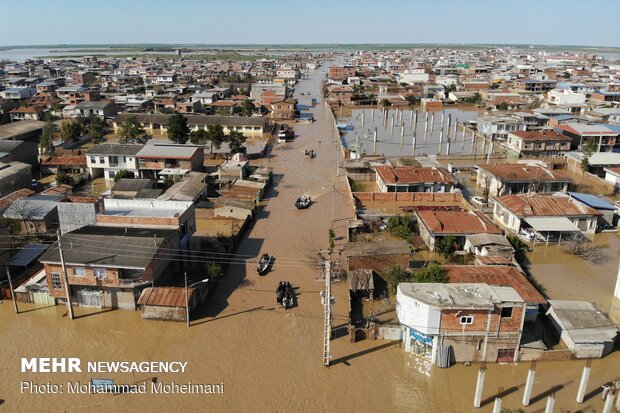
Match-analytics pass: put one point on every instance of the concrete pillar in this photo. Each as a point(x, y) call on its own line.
point(529, 384)
point(402, 134)
point(583, 384)
point(372, 115)
point(363, 119)
point(618, 400)
point(550, 404)
point(479, 387)
point(413, 147)
point(443, 117)
point(425, 126)
point(432, 121)
point(497, 407)
point(617, 290)
point(440, 136)
point(374, 146)
point(456, 122)
point(609, 402)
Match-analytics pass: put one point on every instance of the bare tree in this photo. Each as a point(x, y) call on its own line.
point(581, 246)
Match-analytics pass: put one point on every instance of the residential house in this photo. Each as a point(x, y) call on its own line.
point(31, 112)
point(340, 72)
point(501, 276)
point(489, 245)
point(108, 159)
point(414, 179)
point(36, 214)
point(283, 109)
point(535, 85)
point(537, 143)
point(435, 224)
point(108, 266)
point(565, 97)
point(548, 215)
point(501, 179)
point(102, 109)
point(13, 176)
point(464, 322)
point(235, 168)
point(585, 330)
point(606, 139)
point(166, 159)
point(498, 127)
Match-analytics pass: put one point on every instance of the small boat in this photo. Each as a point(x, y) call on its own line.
point(263, 264)
point(285, 295)
point(310, 153)
point(303, 202)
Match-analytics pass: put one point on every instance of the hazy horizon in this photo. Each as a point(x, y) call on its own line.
point(321, 22)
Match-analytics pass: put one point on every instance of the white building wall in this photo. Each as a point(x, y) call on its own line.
point(416, 314)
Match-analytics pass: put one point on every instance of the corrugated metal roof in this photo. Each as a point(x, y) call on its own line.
point(456, 222)
point(592, 201)
point(545, 224)
point(158, 151)
point(534, 204)
point(28, 254)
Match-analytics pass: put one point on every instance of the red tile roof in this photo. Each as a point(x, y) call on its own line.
point(457, 222)
point(546, 205)
point(164, 296)
point(527, 173)
point(497, 275)
point(7, 200)
point(541, 136)
point(414, 175)
point(69, 160)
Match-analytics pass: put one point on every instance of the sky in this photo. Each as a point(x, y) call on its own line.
point(558, 22)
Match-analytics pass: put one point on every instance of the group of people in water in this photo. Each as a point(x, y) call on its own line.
point(285, 294)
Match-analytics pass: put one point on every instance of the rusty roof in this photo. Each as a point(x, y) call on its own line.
point(497, 275)
point(414, 175)
point(456, 222)
point(546, 205)
point(74, 160)
point(524, 173)
point(540, 136)
point(7, 200)
point(164, 296)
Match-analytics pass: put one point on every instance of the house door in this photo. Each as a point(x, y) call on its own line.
point(42, 297)
point(506, 355)
point(89, 298)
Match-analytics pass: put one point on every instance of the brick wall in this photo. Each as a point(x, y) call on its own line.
point(110, 280)
point(414, 197)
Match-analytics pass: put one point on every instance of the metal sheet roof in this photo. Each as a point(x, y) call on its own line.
point(552, 224)
point(592, 201)
point(27, 255)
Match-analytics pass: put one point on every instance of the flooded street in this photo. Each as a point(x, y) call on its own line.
point(269, 358)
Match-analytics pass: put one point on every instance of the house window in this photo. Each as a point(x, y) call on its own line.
point(467, 319)
point(93, 159)
point(79, 271)
point(506, 312)
point(56, 284)
point(99, 273)
point(101, 159)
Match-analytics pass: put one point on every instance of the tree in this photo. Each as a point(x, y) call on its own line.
point(47, 138)
point(401, 226)
point(74, 180)
point(198, 137)
point(132, 131)
point(213, 272)
point(588, 150)
point(235, 141)
point(385, 102)
point(70, 131)
point(247, 108)
point(215, 135)
point(412, 100)
point(581, 246)
point(332, 237)
point(433, 273)
point(97, 128)
point(178, 131)
point(502, 106)
point(124, 173)
point(446, 246)
point(395, 275)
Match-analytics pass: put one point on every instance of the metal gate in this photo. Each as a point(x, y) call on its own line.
point(42, 297)
point(89, 298)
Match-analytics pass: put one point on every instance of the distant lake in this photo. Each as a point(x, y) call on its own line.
point(21, 55)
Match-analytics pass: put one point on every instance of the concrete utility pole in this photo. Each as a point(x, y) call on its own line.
point(432, 121)
point(327, 322)
point(550, 403)
point(8, 274)
point(402, 134)
point(186, 300)
point(479, 385)
point(425, 125)
point(448, 140)
point(583, 384)
point(529, 384)
point(64, 276)
point(374, 147)
point(609, 402)
point(497, 406)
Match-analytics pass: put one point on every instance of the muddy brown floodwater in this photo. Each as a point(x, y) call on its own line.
point(268, 358)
